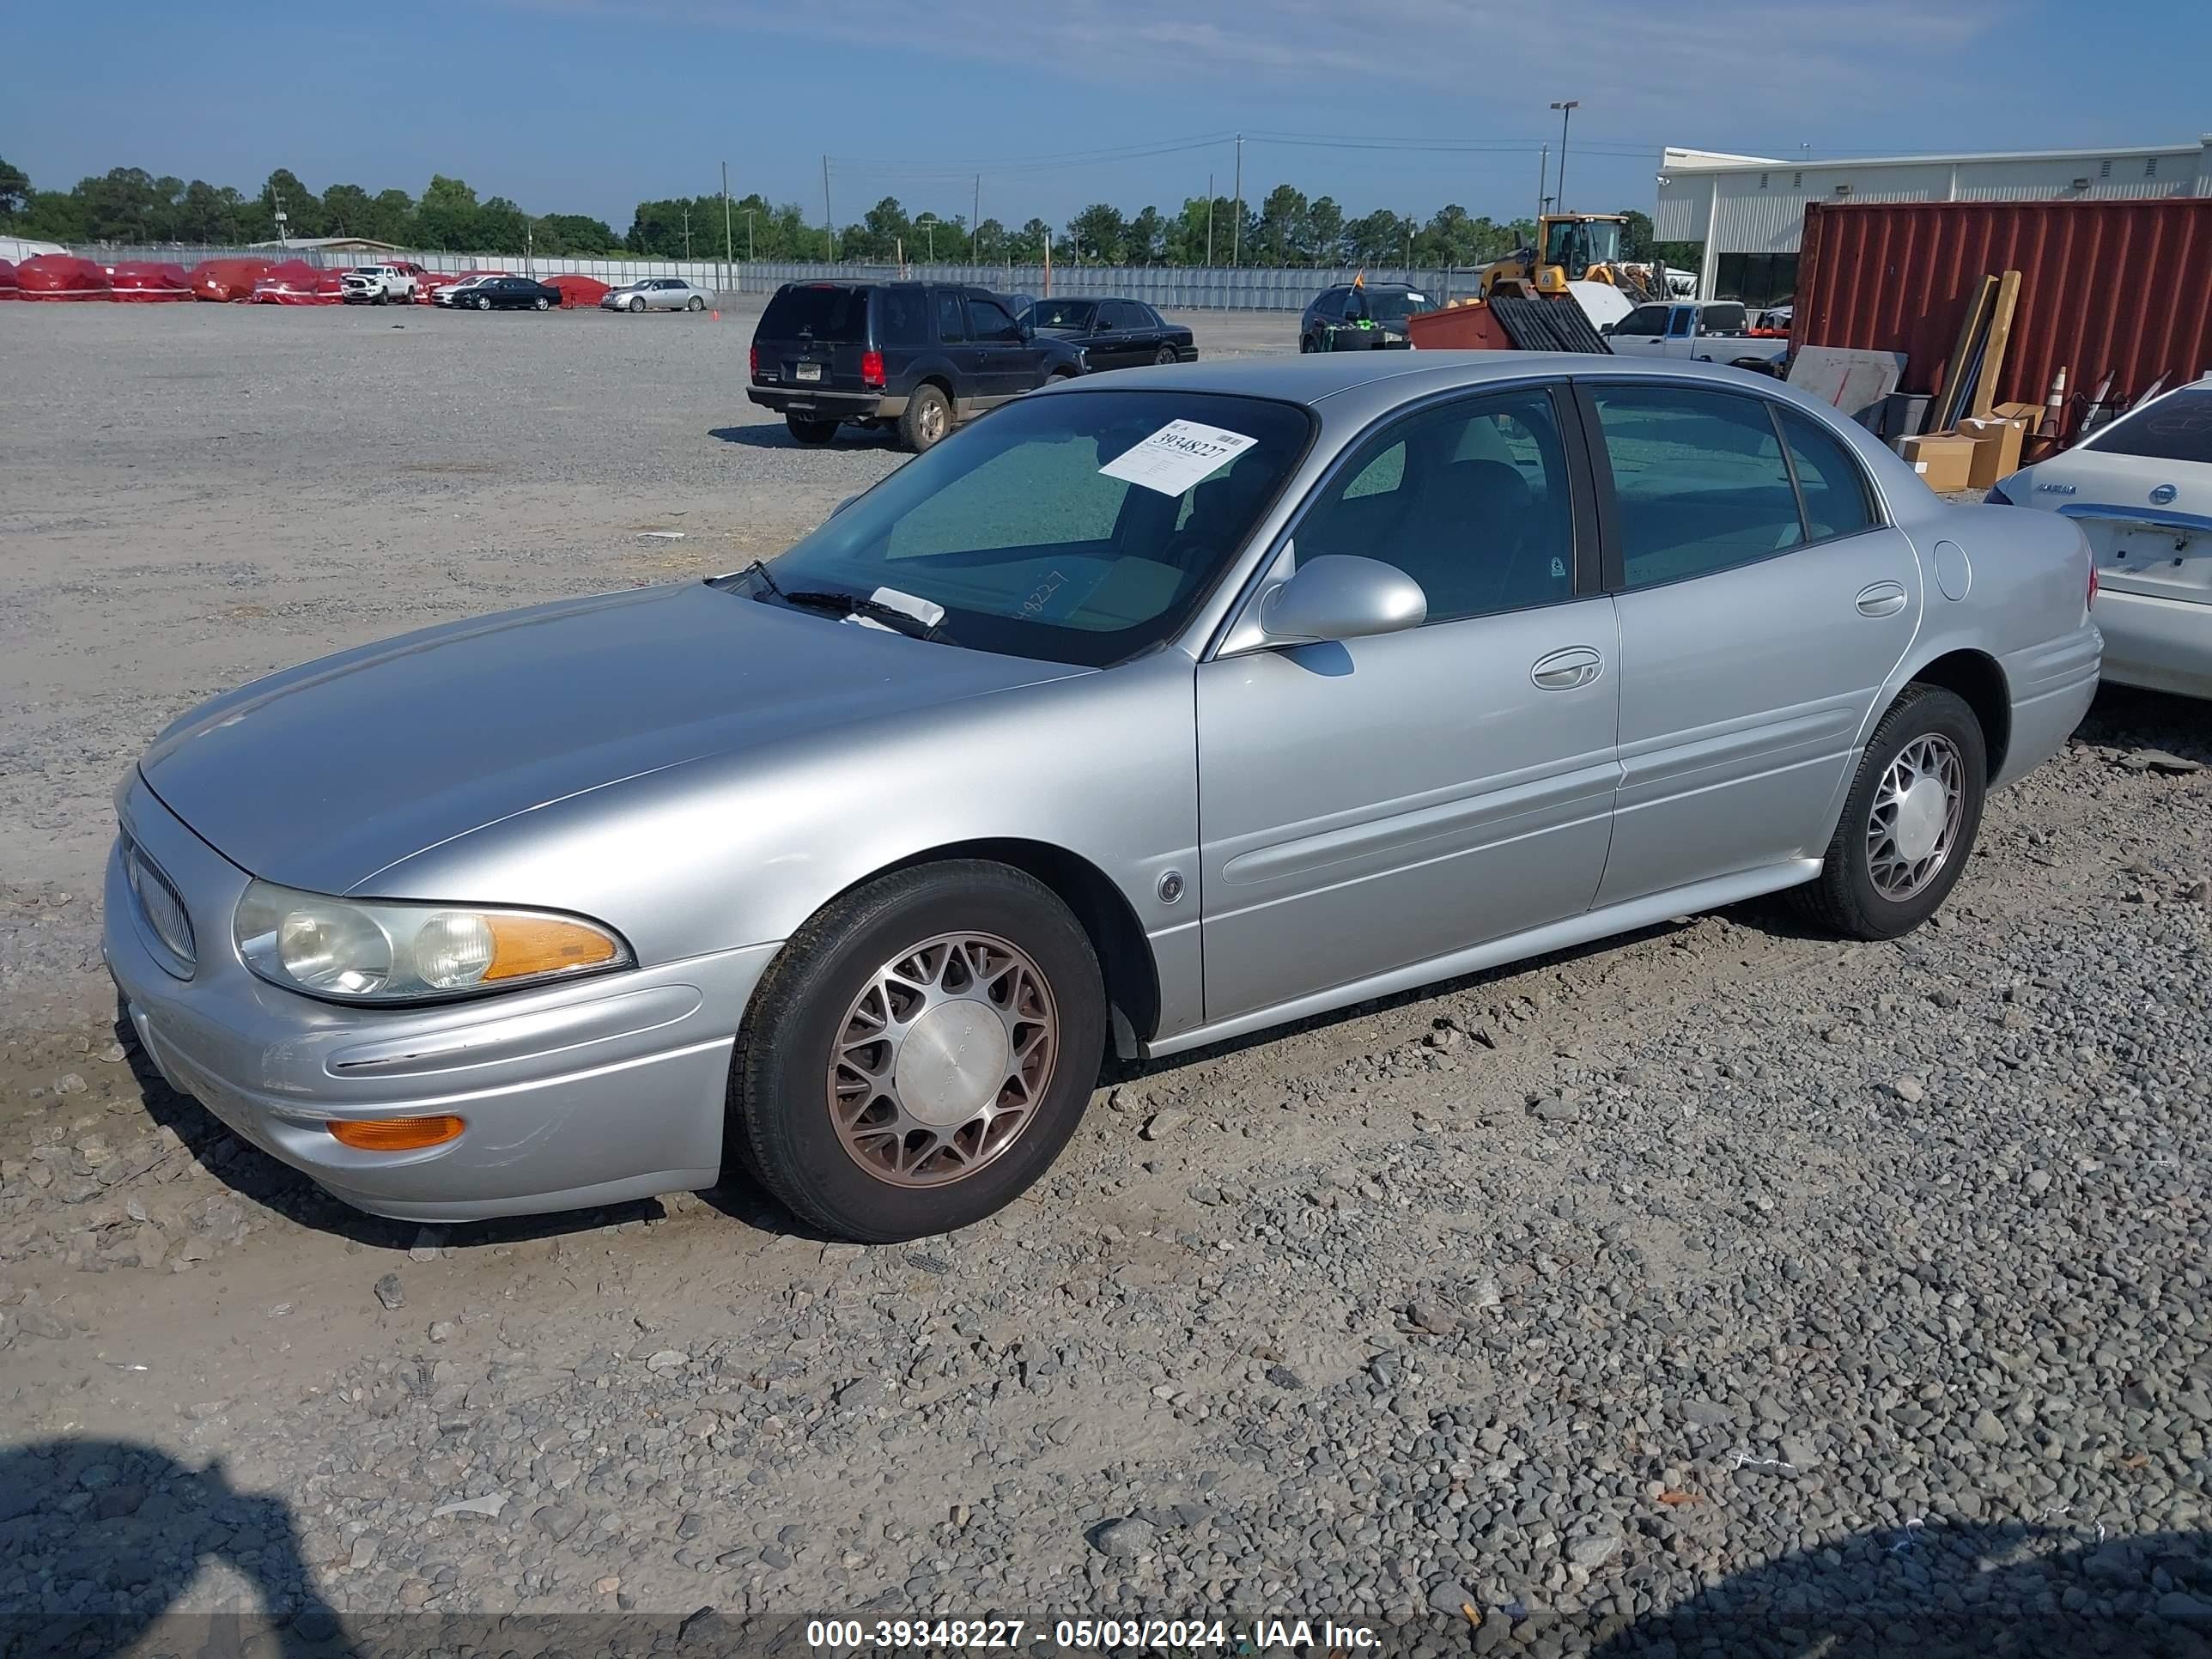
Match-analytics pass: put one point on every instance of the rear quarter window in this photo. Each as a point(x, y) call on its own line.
point(902, 317)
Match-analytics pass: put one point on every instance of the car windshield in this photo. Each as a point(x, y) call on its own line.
point(2176, 427)
point(1082, 528)
point(1394, 306)
point(829, 312)
point(1062, 314)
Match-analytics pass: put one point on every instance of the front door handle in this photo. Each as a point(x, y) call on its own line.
point(1563, 670)
point(1881, 599)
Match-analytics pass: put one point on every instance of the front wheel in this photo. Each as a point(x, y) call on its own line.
point(920, 1052)
point(1909, 824)
point(810, 432)
point(637, 306)
point(484, 304)
point(698, 304)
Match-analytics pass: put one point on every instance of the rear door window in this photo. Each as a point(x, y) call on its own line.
point(1698, 479)
point(827, 312)
point(952, 318)
point(1833, 488)
point(2177, 428)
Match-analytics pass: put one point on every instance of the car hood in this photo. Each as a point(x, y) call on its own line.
point(323, 775)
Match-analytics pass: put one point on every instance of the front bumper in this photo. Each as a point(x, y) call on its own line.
point(588, 1093)
point(810, 404)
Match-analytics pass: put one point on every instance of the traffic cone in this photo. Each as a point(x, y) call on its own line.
point(716, 315)
point(2046, 442)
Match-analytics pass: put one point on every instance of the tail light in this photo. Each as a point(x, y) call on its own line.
point(2091, 605)
point(1996, 497)
point(752, 361)
point(872, 370)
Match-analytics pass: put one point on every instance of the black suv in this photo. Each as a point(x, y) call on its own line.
point(1376, 321)
point(916, 355)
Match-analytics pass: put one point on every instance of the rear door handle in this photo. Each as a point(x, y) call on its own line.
point(1881, 599)
point(1563, 670)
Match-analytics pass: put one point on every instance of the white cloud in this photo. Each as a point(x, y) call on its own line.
point(1683, 66)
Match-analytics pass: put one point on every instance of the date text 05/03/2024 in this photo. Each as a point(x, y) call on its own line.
point(1257, 1636)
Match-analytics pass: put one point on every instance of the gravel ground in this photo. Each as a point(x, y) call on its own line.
point(1722, 1289)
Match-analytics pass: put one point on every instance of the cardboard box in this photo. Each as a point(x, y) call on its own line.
point(1944, 460)
point(2030, 413)
point(1996, 450)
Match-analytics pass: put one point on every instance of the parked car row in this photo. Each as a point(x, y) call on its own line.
point(918, 358)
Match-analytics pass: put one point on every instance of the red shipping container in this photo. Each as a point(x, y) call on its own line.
point(62, 276)
point(2117, 286)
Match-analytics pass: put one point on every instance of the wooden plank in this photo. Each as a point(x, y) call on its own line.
point(1943, 414)
point(1985, 388)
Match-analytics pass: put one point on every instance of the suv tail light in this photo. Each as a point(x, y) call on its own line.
point(752, 362)
point(872, 370)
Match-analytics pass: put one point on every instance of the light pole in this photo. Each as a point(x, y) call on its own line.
point(1565, 110)
point(749, 235)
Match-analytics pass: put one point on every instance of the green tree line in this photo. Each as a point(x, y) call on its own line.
point(1285, 227)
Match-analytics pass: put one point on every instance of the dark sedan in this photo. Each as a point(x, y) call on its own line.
point(1113, 333)
point(511, 293)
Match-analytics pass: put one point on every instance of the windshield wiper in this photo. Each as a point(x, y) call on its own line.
point(853, 605)
point(759, 567)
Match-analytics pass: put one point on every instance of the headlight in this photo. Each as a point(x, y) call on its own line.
point(370, 951)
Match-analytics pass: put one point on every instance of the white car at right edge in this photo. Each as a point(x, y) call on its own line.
point(2140, 489)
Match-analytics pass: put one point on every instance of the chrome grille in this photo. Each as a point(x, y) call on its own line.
point(159, 902)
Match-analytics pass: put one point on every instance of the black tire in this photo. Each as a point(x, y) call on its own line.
point(541, 302)
point(1167, 354)
point(483, 303)
point(637, 307)
point(810, 432)
point(698, 304)
point(780, 1121)
point(1843, 898)
point(927, 418)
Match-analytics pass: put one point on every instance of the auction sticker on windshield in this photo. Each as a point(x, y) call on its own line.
point(1177, 456)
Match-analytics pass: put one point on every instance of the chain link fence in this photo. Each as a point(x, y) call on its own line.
point(1170, 288)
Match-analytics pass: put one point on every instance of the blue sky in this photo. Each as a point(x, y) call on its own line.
point(591, 105)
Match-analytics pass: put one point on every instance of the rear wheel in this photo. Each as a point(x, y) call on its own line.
point(541, 302)
point(1909, 826)
point(698, 304)
point(920, 1052)
point(927, 418)
point(810, 432)
point(1167, 356)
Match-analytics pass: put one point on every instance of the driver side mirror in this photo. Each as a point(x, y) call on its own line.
point(1340, 596)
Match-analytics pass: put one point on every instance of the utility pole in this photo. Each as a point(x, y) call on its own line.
point(1565, 110)
point(1236, 227)
point(687, 230)
point(729, 251)
point(829, 230)
point(1209, 219)
point(1409, 249)
point(975, 226)
point(1543, 181)
point(749, 235)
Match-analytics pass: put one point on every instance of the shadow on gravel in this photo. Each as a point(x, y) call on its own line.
point(2125, 717)
point(261, 1180)
point(108, 1535)
point(1951, 1592)
point(765, 436)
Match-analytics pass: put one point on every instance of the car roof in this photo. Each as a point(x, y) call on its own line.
point(1309, 378)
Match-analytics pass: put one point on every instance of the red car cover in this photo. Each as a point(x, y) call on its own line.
point(7, 289)
point(578, 293)
point(296, 282)
point(147, 280)
point(225, 280)
point(62, 276)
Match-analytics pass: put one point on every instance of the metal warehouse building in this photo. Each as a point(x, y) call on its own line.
point(1749, 210)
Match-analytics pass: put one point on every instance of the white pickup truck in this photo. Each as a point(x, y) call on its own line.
point(399, 283)
point(1706, 332)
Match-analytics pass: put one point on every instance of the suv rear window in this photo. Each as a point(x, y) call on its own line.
point(2177, 428)
point(820, 311)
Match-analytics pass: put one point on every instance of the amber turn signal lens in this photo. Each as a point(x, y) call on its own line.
point(522, 945)
point(396, 1135)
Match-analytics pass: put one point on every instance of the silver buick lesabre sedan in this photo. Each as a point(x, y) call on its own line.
point(1153, 709)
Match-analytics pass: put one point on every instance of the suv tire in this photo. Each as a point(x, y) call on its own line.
point(810, 432)
point(927, 418)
